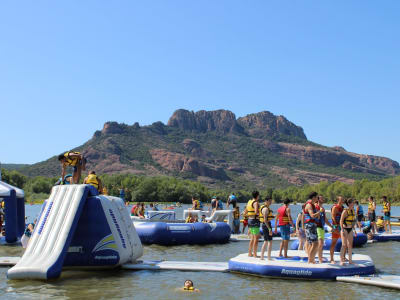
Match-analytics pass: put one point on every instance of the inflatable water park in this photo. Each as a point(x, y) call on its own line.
point(78, 228)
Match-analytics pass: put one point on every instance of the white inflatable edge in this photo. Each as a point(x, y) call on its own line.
point(133, 246)
point(387, 281)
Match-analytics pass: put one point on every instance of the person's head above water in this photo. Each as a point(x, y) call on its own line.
point(61, 157)
point(188, 284)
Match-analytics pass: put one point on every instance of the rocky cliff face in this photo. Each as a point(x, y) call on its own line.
point(261, 124)
point(265, 124)
point(202, 121)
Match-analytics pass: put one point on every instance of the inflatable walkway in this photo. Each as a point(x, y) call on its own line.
point(77, 228)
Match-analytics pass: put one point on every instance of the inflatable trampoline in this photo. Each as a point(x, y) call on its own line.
point(358, 241)
point(183, 233)
point(297, 267)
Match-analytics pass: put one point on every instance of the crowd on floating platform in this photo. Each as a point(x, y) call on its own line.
point(310, 225)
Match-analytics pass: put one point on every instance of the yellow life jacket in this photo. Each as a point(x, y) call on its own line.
point(371, 206)
point(189, 289)
point(351, 217)
point(251, 212)
point(105, 192)
point(386, 207)
point(236, 214)
point(196, 204)
point(270, 216)
point(71, 161)
point(92, 180)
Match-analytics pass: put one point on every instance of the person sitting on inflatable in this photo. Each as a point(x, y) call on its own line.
point(196, 203)
point(191, 218)
point(188, 286)
point(72, 159)
point(95, 181)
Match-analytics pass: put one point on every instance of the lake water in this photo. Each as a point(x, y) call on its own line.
point(120, 284)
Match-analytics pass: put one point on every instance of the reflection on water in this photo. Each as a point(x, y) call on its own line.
point(121, 284)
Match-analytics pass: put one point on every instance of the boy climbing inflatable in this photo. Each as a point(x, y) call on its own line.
point(73, 159)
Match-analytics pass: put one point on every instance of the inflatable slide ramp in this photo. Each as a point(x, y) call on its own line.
point(78, 228)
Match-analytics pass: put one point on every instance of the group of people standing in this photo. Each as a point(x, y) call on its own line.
point(310, 225)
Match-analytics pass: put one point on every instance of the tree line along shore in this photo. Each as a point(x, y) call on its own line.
point(170, 189)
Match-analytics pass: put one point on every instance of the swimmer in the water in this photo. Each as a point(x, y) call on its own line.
point(188, 286)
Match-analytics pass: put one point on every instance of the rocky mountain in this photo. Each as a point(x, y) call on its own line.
point(218, 149)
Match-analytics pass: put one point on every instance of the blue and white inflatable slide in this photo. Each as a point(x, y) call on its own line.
point(78, 228)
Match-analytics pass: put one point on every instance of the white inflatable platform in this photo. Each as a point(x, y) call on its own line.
point(297, 266)
point(178, 265)
point(386, 281)
point(77, 230)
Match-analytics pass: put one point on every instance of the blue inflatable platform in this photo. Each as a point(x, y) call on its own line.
point(169, 234)
point(358, 241)
point(297, 267)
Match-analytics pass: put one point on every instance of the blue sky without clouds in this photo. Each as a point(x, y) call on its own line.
point(66, 67)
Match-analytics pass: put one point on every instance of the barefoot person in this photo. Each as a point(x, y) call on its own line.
point(265, 220)
point(284, 220)
point(347, 222)
point(372, 214)
point(386, 214)
point(73, 159)
point(252, 209)
point(321, 221)
point(336, 214)
point(310, 216)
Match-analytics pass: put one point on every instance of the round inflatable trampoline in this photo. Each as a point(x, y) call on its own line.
point(358, 241)
point(183, 233)
point(297, 266)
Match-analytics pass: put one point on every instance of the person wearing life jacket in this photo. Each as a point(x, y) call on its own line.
point(310, 216)
point(236, 220)
point(245, 220)
point(191, 218)
point(188, 286)
point(195, 203)
point(231, 200)
point(134, 210)
point(67, 180)
point(386, 214)
point(372, 213)
point(360, 214)
point(72, 159)
point(283, 219)
point(266, 217)
point(95, 181)
point(321, 221)
point(336, 213)
point(252, 209)
point(300, 232)
point(141, 211)
point(347, 222)
point(104, 191)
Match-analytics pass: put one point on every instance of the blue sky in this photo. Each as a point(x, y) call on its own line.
point(66, 67)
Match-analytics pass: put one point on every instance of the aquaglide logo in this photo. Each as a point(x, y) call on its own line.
point(296, 272)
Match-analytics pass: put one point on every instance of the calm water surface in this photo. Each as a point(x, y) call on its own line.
point(119, 284)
